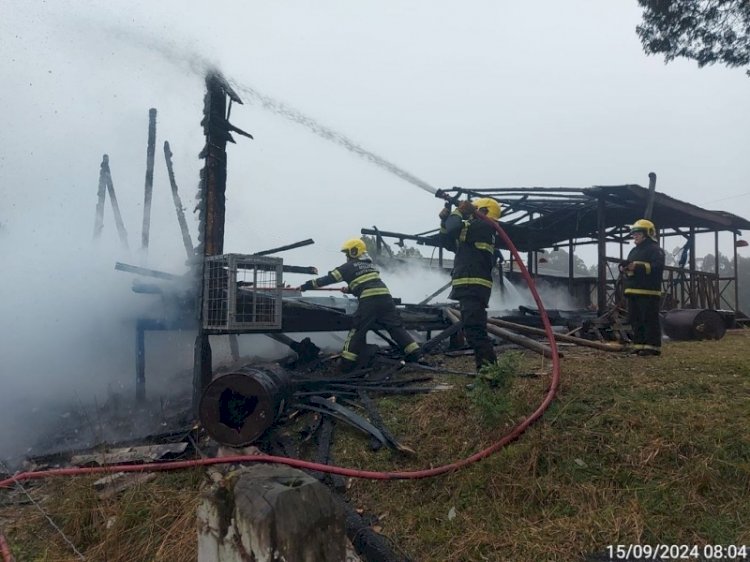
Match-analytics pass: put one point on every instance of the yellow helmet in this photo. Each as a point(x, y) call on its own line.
point(492, 206)
point(353, 248)
point(644, 225)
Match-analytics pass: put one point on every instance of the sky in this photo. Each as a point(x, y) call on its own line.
point(476, 94)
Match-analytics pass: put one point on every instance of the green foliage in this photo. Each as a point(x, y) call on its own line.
point(408, 252)
point(706, 31)
point(559, 260)
point(491, 392)
point(370, 244)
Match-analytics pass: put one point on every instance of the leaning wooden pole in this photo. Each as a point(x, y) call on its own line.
point(559, 337)
point(123, 234)
point(518, 339)
point(100, 195)
point(150, 150)
point(523, 341)
point(186, 241)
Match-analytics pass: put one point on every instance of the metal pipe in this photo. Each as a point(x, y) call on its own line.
point(239, 406)
point(693, 324)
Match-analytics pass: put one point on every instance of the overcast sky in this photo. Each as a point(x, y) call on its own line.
point(475, 94)
point(483, 94)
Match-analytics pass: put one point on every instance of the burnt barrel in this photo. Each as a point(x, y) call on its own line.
point(693, 324)
point(237, 407)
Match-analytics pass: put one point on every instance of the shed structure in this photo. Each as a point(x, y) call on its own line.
point(541, 218)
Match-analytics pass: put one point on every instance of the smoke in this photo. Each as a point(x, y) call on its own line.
point(66, 330)
point(413, 281)
point(67, 319)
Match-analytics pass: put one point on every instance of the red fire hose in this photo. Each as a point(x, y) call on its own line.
point(514, 434)
point(5, 549)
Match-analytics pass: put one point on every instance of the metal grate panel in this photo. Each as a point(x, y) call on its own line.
point(242, 293)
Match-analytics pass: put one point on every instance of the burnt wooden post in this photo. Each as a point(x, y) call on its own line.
point(116, 208)
point(736, 275)
point(272, 512)
point(100, 195)
point(692, 288)
point(213, 183)
point(571, 267)
point(211, 206)
point(186, 241)
point(717, 283)
point(601, 226)
point(150, 149)
point(651, 196)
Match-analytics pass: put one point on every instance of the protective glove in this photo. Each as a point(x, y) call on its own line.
point(306, 286)
point(466, 208)
point(444, 213)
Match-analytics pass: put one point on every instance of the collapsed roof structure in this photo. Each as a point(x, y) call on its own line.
point(539, 218)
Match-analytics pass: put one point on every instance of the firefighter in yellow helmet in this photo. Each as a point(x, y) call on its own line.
point(643, 275)
point(375, 309)
point(473, 241)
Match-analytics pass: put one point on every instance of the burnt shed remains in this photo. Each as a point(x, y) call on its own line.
point(230, 294)
point(550, 218)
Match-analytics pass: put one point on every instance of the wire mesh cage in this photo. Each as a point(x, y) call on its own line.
point(242, 293)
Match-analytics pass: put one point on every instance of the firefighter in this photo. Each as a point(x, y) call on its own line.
point(375, 304)
point(473, 241)
point(642, 282)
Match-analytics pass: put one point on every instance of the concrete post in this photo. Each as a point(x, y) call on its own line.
point(271, 513)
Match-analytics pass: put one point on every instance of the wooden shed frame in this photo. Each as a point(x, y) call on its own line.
point(541, 218)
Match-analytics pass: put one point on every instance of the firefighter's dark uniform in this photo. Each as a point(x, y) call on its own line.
point(473, 241)
point(376, 309)
point(643, 291)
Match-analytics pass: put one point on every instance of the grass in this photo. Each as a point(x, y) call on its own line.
point(153, 521)
point(634, 450)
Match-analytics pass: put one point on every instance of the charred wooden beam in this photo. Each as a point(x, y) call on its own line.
point(115, 207)
point(100, 195)
point(186, 241)
point(211, 206)
point(147, 272)
point(287, 247)
point(559, 337)
point(518, 339)
point(651, 195)
point(601, 287)
point(149, 186)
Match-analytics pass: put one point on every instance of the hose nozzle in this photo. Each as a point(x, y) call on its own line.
point(442, 194)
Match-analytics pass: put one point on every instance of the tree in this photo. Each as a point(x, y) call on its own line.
point(559, 260)
point(707, 31)
point(408, 252)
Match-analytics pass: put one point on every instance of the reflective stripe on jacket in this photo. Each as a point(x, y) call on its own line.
point(648, 261)
point(473, 241)
point(361, 277)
